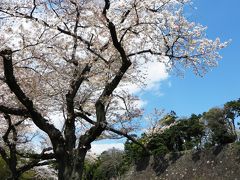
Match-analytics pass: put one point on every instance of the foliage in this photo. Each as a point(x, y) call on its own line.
point(133, 151)
point(5, 172)
point(219, 131)
point(110, 164)
point(232, 108)
point(212, 128)
point(185, 134)
point(89, 169)
point(232, 111)
point(197, 131)
point(168, 119)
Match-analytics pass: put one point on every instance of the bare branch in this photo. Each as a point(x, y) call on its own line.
point(145, 52)
point(77, 80)
point(34, 7)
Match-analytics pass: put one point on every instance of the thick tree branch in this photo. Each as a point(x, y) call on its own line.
point(106, 7)
point(14, 111)
point(126, 136)
point(101, 123)
point(33, 164)
point(116, 43)
point(9, 129)
point(42, 156)
point(77, 80)
point(54, 134)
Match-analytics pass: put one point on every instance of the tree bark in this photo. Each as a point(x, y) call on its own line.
point(71, 165)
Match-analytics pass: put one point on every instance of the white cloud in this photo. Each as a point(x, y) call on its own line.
point(141, 103)
point(154, 73)
point(99, 148)
point(157, 72)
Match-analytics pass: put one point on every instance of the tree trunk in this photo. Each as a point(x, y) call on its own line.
point(70, 166)
point(13, 163)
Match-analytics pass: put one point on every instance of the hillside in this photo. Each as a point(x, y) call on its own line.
point(217, 163)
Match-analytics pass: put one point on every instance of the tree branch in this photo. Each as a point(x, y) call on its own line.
point(101, 123)
point(144, 52)
point(34, 7)
point(106, 7)
point(54, 134)
point(14, 111)
point(33, 164)
point(86, 118)
point(41, 156)
point(76, 82)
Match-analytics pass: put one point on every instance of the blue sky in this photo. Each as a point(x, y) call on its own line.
point(193, 94)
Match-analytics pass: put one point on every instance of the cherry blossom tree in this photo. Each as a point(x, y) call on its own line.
point(16, 136)
point(75, 58)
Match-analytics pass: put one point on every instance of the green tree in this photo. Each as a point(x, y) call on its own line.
point(184, 134)
point(232, 110)
point(133, 152)
point(110, 164)
point(219, 131)
point(168, 119)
